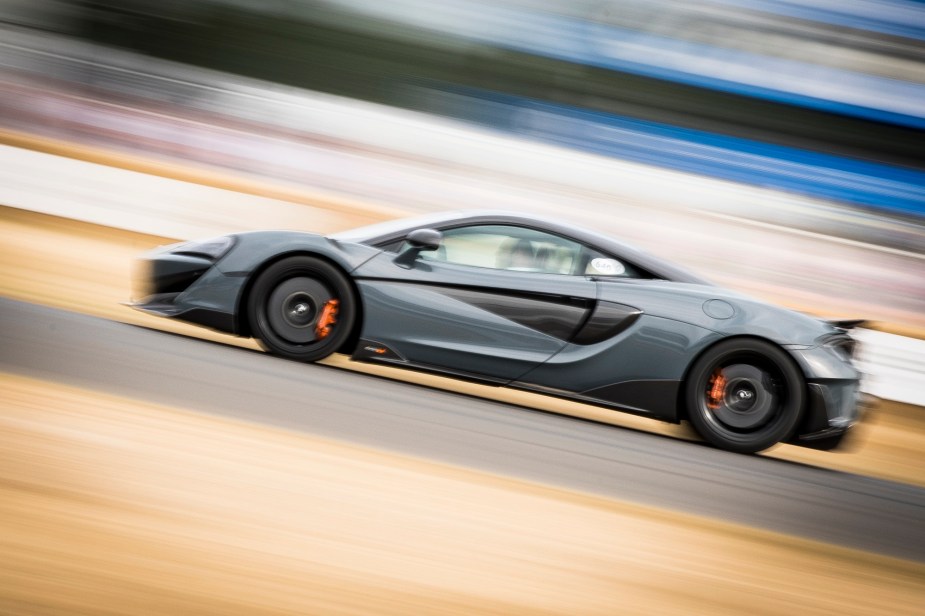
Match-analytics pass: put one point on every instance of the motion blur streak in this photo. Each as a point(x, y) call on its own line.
point(774, 146)
point(771, 243)
point(112, 505)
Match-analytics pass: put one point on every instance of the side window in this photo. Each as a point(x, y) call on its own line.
point(521, 249)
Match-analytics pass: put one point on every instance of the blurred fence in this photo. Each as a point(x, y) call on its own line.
point(800, 55)
point(840, 77)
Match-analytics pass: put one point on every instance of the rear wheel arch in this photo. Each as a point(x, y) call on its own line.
point(242, 312)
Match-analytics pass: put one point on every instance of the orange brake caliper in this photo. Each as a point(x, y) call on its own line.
point(327, 318)
point(717, 385)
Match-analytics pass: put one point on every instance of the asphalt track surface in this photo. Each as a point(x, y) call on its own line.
point(839, 508)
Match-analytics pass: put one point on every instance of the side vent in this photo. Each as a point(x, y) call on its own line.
point(607, 320)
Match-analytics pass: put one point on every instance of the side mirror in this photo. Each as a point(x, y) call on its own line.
point(425, 239)
point(418, 241)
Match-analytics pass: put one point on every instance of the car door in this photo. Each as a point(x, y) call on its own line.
point(492, 302)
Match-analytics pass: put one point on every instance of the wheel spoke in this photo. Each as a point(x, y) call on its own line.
point(741, 397)
point(295, 307)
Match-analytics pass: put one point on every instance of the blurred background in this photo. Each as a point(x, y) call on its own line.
point(773, 146)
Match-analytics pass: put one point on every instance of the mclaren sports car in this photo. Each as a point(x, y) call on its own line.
point(518, 301)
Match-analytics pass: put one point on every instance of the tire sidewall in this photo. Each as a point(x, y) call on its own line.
point(785, 421)
point(291, 267)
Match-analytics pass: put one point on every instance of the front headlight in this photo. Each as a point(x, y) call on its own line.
point(213, 249)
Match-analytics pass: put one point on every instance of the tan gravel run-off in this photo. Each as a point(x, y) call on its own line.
point(117, 506)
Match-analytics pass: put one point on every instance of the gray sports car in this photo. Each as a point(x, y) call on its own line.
point(517, 301)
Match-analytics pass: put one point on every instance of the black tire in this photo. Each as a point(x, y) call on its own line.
point(287, 304)
point(745, 395)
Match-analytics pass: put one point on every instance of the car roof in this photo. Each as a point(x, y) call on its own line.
point(393, 230)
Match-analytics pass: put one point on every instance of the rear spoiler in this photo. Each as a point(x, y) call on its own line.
point(846, 324)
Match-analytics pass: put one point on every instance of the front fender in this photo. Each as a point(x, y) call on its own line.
point(255, 248)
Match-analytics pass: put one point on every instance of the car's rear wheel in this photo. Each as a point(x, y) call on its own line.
point(302, 308)
point(745, 395)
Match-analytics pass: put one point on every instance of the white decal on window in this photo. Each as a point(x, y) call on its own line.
point(608, 267)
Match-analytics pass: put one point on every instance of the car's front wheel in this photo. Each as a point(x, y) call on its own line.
point(303, 308)
point(745, 395)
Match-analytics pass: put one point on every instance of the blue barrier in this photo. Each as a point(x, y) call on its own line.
point(577, 37)
point(886, 187)
point(805, 84)
point(905, 18)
